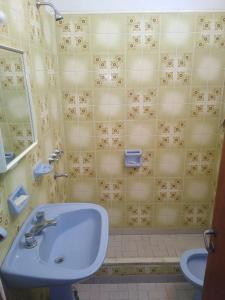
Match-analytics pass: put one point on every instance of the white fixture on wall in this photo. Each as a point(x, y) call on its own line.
point(2, 17)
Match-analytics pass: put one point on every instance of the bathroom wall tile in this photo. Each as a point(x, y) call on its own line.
point(116, 213)
point(167, 215)
point(142, 69)
point(108, 70)
point(210, 31)
point(200, 163)
point(35, 34)
point(77, 105)
point(80, 79)
point(109, 135)
point(108, 43)
point(168, 190)
point(109, 164)
point(79, 136)
point(208, 60)
point(180, 41)
point(195, 215)
point(173, 102)
point(109, 104)
point(110, 191)
point(73, 34)
point(198, 189)
point(108, 23)
point(140, 190)
point(81, 190)
point(143, 32)
point(140, 134)
point(171, 134)
point(202, 132)
point(81, 164)
point(176, 22)
point(177, 31)
point(75, 63)
point(205, 101)
point(141, 103)
point(169, 163)
point(175, 69)
point(139, 215)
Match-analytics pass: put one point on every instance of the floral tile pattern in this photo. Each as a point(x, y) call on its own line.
point(142, 104)
point(110, 190)
point(72, 34)
point(205, 102)
point(169, 190)
point(81, 164)
point(175, 69)
point(171, 135)
point(77, 105)
point(139, 215)
point(143, 32)
point(211, 31)
point(196, 215)
point(109, 71)
point(109, 135)
point(200, 162)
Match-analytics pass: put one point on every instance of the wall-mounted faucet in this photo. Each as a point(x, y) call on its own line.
point(60, 175)
point(55, 156)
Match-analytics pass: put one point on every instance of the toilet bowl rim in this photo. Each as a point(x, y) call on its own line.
point(184, 266)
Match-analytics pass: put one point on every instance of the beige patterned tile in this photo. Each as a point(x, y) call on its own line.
point(108, 70)
point(78, 105)
point(109, 135)
point(111, 190)
point(169, 190)
point(171, 134)
point(81, 164)
point(139, 215)
point(141, 104)
point(175, 69)
point(200, 162)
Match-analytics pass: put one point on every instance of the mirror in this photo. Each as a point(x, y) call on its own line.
point(17, 132)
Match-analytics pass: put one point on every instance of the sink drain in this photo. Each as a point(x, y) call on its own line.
point(59, 260)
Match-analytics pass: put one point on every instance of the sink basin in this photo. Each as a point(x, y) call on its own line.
point(72, 250)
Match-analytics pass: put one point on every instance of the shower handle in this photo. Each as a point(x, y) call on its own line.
point(208, 243)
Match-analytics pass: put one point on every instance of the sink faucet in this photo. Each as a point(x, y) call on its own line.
point(40, 224)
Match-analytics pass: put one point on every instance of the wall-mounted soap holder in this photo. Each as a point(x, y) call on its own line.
point(41, 169)
point(18, 200)
point(133, 158)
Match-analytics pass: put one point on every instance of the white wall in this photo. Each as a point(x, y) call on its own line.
point(138, 5)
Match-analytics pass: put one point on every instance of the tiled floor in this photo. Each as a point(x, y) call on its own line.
point(140, 291)
point(169, 245)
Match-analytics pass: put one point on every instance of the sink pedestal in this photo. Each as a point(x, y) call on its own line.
point(60, 292)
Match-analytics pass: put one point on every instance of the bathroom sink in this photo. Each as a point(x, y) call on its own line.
point(72, 250)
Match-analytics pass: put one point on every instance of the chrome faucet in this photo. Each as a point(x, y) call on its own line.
point(40, 224)
point(60, 175)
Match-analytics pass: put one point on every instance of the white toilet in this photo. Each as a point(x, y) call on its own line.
point(193, 265)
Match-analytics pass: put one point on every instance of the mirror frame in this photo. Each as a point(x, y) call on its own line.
point(3, 166)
